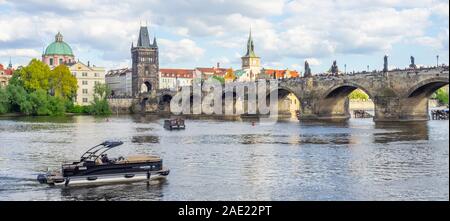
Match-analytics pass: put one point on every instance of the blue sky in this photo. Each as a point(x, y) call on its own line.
point(193, 33)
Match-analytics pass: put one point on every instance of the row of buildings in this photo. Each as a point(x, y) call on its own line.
point(121, 80)
point(145, 74)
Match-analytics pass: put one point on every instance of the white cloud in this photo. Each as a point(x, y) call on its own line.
point(184, 50)
point(282, 29)
point(29, 53)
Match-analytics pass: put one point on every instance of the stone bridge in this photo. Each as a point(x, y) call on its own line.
point(398, 95)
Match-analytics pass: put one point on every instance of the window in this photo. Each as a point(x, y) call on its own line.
point(84, 74)
point(85, 100)
point(85, 83)
point(74, 74)
point(85, 91)
point(61, 61)
point(96, 74)
point(51, 61)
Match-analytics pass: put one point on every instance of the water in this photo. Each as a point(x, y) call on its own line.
point(234, 160)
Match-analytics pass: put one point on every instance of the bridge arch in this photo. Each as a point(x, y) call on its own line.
point(146, 87)
point(334, 102)
point(289, 103)
point(427, 87)
point(343, 90)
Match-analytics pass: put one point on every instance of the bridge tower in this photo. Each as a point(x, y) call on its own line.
point(145, 68)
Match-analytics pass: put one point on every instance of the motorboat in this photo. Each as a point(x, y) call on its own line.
point(174, 124)
point(94, 167)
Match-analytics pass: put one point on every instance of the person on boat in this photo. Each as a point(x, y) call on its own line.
point(105, 158)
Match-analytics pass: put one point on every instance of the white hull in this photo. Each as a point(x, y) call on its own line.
point(107, 179)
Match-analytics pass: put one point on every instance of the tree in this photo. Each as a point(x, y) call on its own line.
point(4, 101)
point(35, 76)
point(100, 105)
point(220, 79)
point(40, 103)
point(358, 95)
point(62, 83)
point(441, 95)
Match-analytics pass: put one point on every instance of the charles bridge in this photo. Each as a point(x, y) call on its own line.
point(398, 95)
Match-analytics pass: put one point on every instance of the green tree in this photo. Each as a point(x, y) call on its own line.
point(62, 83)
point(358, 95)
point(441, 95)
point(57, 106)
point(220, 79)
point(40, 103)
point(100, 105)
point(19, 99)
point(4, 101)
point(35, 76)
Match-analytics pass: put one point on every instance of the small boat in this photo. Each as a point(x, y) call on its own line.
point(94, 167)
point(174, 124)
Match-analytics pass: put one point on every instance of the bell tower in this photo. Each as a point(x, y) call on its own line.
point(250, 60)
point(145, 59)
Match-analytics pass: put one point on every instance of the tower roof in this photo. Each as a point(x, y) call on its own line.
point(250, 46)
point(59, 47)
point(144, 39)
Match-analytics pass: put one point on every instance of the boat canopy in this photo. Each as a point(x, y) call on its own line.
point(98, 150)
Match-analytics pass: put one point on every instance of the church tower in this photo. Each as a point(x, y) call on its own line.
point(145, 59)
point(250, 60)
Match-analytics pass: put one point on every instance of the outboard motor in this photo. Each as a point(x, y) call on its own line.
point(42, 178)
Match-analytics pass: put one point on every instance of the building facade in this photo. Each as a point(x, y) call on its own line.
point(145, 67)
point(120, 82)
point(5, 74)
point(174, 79)
point(87, 77)
point(58, 52)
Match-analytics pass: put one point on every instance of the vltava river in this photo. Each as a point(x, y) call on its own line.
point(235, 160)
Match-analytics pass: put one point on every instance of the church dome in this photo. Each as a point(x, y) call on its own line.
point(59, 47)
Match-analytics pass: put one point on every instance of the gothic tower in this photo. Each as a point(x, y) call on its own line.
point(250, 60)
point(145, 58)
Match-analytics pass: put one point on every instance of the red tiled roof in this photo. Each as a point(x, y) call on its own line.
point(178, 73)
point(216, 71)
point(9, 71)
point(281, 73)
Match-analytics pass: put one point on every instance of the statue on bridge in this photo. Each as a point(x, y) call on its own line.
point(385, 69)
point(412, 65)
point(334, 68)
point(307, 70)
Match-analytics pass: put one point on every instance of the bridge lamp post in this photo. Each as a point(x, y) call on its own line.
point(345, 68)
point(437, 60)
point(367, 68)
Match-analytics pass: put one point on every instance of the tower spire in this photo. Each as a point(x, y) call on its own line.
point(250, 45)
point(155, 44)
point(10, 63)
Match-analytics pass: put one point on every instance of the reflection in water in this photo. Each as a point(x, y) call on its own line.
point(401, 131)
point(152, 190)
point(145, 139)
point(220, 159)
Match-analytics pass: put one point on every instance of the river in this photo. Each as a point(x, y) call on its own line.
point(217, 159)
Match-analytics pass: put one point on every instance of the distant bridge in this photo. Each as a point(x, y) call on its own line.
point(398, 95)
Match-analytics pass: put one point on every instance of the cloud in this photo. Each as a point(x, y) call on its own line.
point(30, 53)
point(184, 50)
point(282, 29)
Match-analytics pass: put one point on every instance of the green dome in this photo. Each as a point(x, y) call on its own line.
point(59, 47)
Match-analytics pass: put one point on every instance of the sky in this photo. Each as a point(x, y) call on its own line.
point(200, 33)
